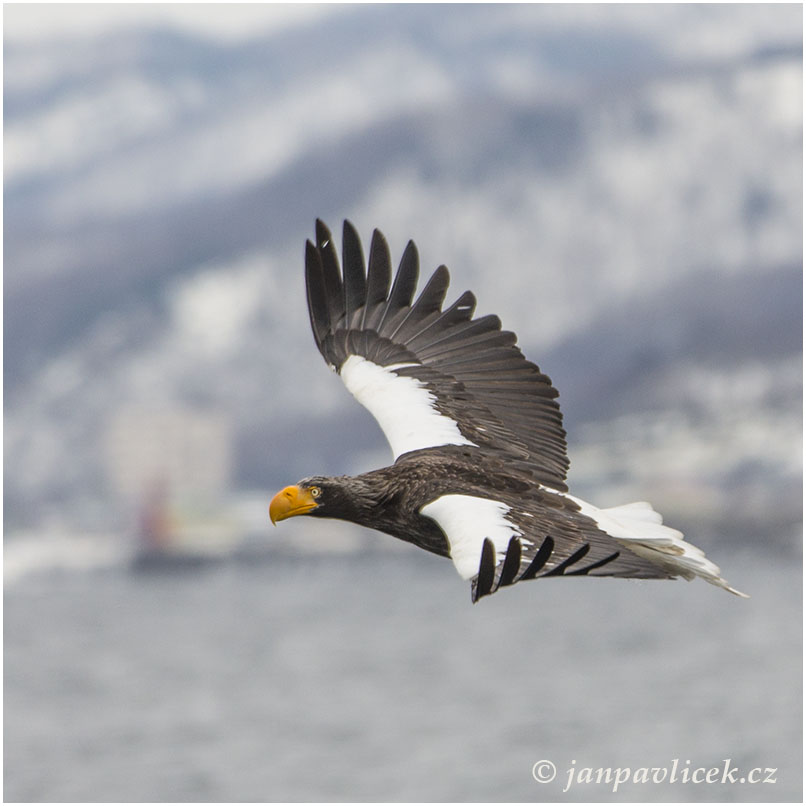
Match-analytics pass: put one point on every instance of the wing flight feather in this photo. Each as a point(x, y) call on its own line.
point(470, 370)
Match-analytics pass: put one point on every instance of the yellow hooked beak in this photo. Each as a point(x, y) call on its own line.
point(289, 502)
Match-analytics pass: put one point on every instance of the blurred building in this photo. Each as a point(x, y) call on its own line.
point(186, 452)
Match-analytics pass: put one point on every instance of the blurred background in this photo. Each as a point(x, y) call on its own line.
point(621, 184)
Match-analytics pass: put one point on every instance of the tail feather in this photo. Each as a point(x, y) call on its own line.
point(640, 529)
point(637, 510)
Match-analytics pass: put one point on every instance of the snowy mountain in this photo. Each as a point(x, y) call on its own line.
point(622, 185)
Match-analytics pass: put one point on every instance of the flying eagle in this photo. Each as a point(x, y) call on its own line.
point(479, 448)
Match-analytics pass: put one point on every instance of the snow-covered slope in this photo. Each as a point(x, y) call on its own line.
point(620, 184)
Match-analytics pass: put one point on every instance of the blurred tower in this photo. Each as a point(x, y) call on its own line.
point(185, 452)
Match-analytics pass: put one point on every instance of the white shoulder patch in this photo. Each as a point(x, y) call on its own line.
point(403, 407)
point(466, 521)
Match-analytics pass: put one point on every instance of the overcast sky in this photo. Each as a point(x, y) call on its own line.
point(32, 21)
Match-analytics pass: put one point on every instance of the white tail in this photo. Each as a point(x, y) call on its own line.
point(640, 529)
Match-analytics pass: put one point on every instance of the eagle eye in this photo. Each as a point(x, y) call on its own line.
point(315, 492)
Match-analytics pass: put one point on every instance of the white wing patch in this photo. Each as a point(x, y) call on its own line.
point(466, 521)
point(403, 407)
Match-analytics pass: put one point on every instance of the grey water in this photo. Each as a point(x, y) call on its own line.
point(373, 677)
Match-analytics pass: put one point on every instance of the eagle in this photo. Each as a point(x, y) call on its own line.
point(480, 458)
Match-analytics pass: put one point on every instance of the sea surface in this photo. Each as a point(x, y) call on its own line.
point(372, 677)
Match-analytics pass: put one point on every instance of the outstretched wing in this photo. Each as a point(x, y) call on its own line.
point(503, 534)
point(502, 528)
point(641, 548)
point(429, 376)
